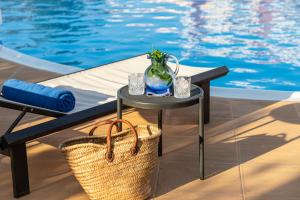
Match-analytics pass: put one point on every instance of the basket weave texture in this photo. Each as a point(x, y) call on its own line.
point(115, 167)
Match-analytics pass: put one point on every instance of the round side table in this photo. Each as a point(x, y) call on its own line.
point(168, 102)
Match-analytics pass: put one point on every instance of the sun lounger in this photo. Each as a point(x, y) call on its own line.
point(95, 91)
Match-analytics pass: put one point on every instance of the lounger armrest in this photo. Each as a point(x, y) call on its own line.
point(58, 124)
point(209, 75)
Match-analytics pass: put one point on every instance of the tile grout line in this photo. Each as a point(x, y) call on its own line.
point(156, 182)
point(240, 170)
point(237, 147)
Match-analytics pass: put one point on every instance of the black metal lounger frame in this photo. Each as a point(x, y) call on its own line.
point(13, 144)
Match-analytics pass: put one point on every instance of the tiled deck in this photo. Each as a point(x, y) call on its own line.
point(252, 152)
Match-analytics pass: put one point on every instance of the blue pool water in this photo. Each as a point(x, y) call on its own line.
point(259, 40)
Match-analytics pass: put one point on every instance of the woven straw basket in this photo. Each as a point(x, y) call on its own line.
point(115, 167)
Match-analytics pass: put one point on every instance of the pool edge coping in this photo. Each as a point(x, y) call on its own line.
point(222, 92)
point(33, 62)
point(255, 94)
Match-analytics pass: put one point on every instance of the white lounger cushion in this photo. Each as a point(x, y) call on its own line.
point(100, 85)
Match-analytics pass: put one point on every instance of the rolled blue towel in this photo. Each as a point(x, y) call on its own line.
point(38, 95)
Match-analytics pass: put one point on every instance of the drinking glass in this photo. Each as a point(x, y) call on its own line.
point(182, 87)
point(136, 84)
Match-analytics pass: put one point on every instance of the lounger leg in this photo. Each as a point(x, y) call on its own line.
point(119, 112)
point(160, 113)
point(201, 140)
point(19, 170)
point(206, 88)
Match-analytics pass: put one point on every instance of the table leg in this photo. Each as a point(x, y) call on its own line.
point(119, 112)
point(201, 139)
point(160, 113)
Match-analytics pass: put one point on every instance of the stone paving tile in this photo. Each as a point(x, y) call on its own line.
point(12, 70)
point(7, 117)
point(243, 107)
point(175, 116)
point(34, 75)
point(278, 110)
point(7, 70)
point(269, 140)
point(180, 181)
point(271, 181)
point(185, 150)
point(221, 108)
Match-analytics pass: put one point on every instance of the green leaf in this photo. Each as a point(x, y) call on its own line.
point(158, 56)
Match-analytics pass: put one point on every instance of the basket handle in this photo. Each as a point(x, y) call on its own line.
point(109, 155)
point(91, 133)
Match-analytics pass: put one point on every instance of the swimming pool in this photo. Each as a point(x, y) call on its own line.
point(259, 40)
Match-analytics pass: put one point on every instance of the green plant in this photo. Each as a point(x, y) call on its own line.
point(158, 56)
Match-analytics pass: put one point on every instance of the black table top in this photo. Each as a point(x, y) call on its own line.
point(154, 102)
